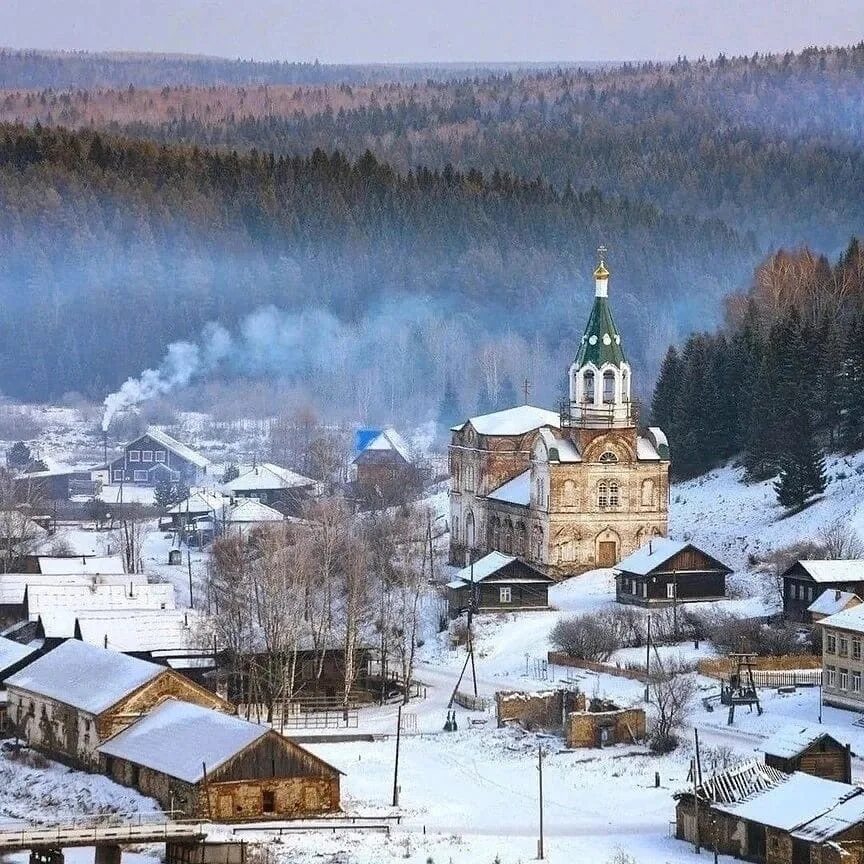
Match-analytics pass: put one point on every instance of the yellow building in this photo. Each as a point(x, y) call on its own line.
point(569, 490)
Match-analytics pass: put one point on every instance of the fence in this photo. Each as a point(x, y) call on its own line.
point(342, 719)
point(471, 702)
point(557, 658)
point(784, 678)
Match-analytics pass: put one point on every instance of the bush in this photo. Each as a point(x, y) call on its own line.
point(730, 634)
point(586, 637)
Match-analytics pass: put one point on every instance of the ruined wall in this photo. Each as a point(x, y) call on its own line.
point(587, 728)
point(541, 710)
point(243, 800)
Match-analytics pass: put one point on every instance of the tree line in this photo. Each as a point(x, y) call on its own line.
point(392, 283)
point(780, 383)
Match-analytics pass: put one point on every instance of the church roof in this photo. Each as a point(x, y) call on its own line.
point(601, 342)
point(512, 421)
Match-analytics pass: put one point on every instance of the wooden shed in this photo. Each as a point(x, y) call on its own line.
point(219, 767)
point(500, 583)
point(664, 571)
point(809, 749)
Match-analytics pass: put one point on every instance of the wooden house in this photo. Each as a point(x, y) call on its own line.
point(809, 749)
point(273, 485)
point(156, 456)
point(212, 766)
point(755, 812)
point(664, 571)
point(383, 468)
point(830, 602)
point(500, 583)
point(58, 485)
point(805, 581)
point(73, 698)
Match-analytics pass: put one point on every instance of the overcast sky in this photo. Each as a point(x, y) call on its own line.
point(433, 30)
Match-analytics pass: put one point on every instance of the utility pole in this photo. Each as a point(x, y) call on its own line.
point(648, 662)
point(540, 854)
point(189, 568)
point(396, 763)
point(695, 805)
point(675, 602)
point(526, 389)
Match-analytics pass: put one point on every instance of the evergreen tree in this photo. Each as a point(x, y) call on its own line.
point(19, 456)
point(802, 465)
point(231, 472)
point(852, 389)
point(667, 390)
point(168, 492)
point(449, 410)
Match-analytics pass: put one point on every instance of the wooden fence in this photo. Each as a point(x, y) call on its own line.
point(557, 658)
point(787, 678)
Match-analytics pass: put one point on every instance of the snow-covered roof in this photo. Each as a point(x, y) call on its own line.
point(84, 677)
point(179, 739)
point(849, 619)
point(251, 510)
point(175, 446)
point(46, 598)
point(513, 421)
point(12, 653)
point(837, 820)
point(831, 601)
point(13, 586)
point(267, 476)
point(515, 491)
point(834, 571)
point(646, 451)
point(487, 566)
point(652, 555)
point(139, 630)
point(199, 501)
point(797, 803)
point(387, 440)
point(559, 447)
point(790, 741)
point(94, 565)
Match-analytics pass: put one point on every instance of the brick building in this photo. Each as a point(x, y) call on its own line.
point(569, 490)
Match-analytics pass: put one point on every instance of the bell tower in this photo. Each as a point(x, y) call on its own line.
point(600, 375)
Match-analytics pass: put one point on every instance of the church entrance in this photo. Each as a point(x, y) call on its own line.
point(607, 553)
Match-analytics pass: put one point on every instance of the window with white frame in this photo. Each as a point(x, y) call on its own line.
point(856, 682)
point(134, 455)
point(505, 594)
point(844, 679)
point(856, 649)
point(843, 646)
point(588, 387)
point(160, 455)
point(118, 473)
point(830, 644)
point(830, 676)
point(670, 590)
point(146, 455)
point(139, 475)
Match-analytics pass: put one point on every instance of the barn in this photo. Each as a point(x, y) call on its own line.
point(809, 749)
point(218, 767)
point(501, 583)
point(72, 699)
point(664, 571)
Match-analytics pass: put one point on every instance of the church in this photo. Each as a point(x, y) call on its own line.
point(566, 490)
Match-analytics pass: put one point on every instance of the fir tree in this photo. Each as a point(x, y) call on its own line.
point(449, 411)
point(231, 472)
point(666, 390)
point(802, 465)
point(852, 390)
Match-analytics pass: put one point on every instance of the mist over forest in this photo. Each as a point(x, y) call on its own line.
point(367, 244)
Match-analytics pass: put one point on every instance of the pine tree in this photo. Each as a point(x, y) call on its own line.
point(449, 411)
point(802, 465)
point(667, 390)
point(852, 390)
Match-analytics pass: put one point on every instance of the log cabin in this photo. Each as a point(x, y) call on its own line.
point(72, 699)
point(501, 583)
point(809, 749)
point(212, 766)
point(273, 485)
point(806, 580)
point(663, 572)
point(156, 456)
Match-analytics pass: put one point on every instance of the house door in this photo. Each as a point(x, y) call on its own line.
point(607, 553)
point(755, 841)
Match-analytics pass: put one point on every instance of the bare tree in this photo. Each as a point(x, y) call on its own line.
point(671, 695)
point(841, 542)
point(20, 535)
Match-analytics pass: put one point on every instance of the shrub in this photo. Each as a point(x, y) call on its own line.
point(586, 637)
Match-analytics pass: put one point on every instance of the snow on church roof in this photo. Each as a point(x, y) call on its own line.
point(84, 677)
point(513, 421)
point(515, 491)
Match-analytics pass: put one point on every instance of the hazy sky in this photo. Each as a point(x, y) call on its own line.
point(432, 30)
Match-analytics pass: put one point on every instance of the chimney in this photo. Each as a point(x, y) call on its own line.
point(837, 594)
point(650, 547)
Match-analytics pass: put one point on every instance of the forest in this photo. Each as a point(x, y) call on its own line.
point(781, 382)
point(438, 229)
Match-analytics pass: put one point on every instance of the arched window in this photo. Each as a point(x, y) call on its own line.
point(496, 533)
point(456, 528)
point(608, 458)
point(588, 386)
point(469, 528)
point(613, 493)
point(648, 493)
point(507, 538)
point(625, 389)
point(602, 494)
point(569, 492)
point(537, 549)
point(608, 387)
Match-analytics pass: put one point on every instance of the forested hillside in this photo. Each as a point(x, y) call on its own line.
point(386, 283)
point(783, 379)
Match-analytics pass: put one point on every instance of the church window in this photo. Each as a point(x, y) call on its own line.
point(609, 387)
point(507, 538)
point(603, 494)
point(588, 387)
point(625, 391)
point(569, 492)
point(519, 543)
point(538, 543)
point(613, 493)
point(456, 528)
point(608, 458)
